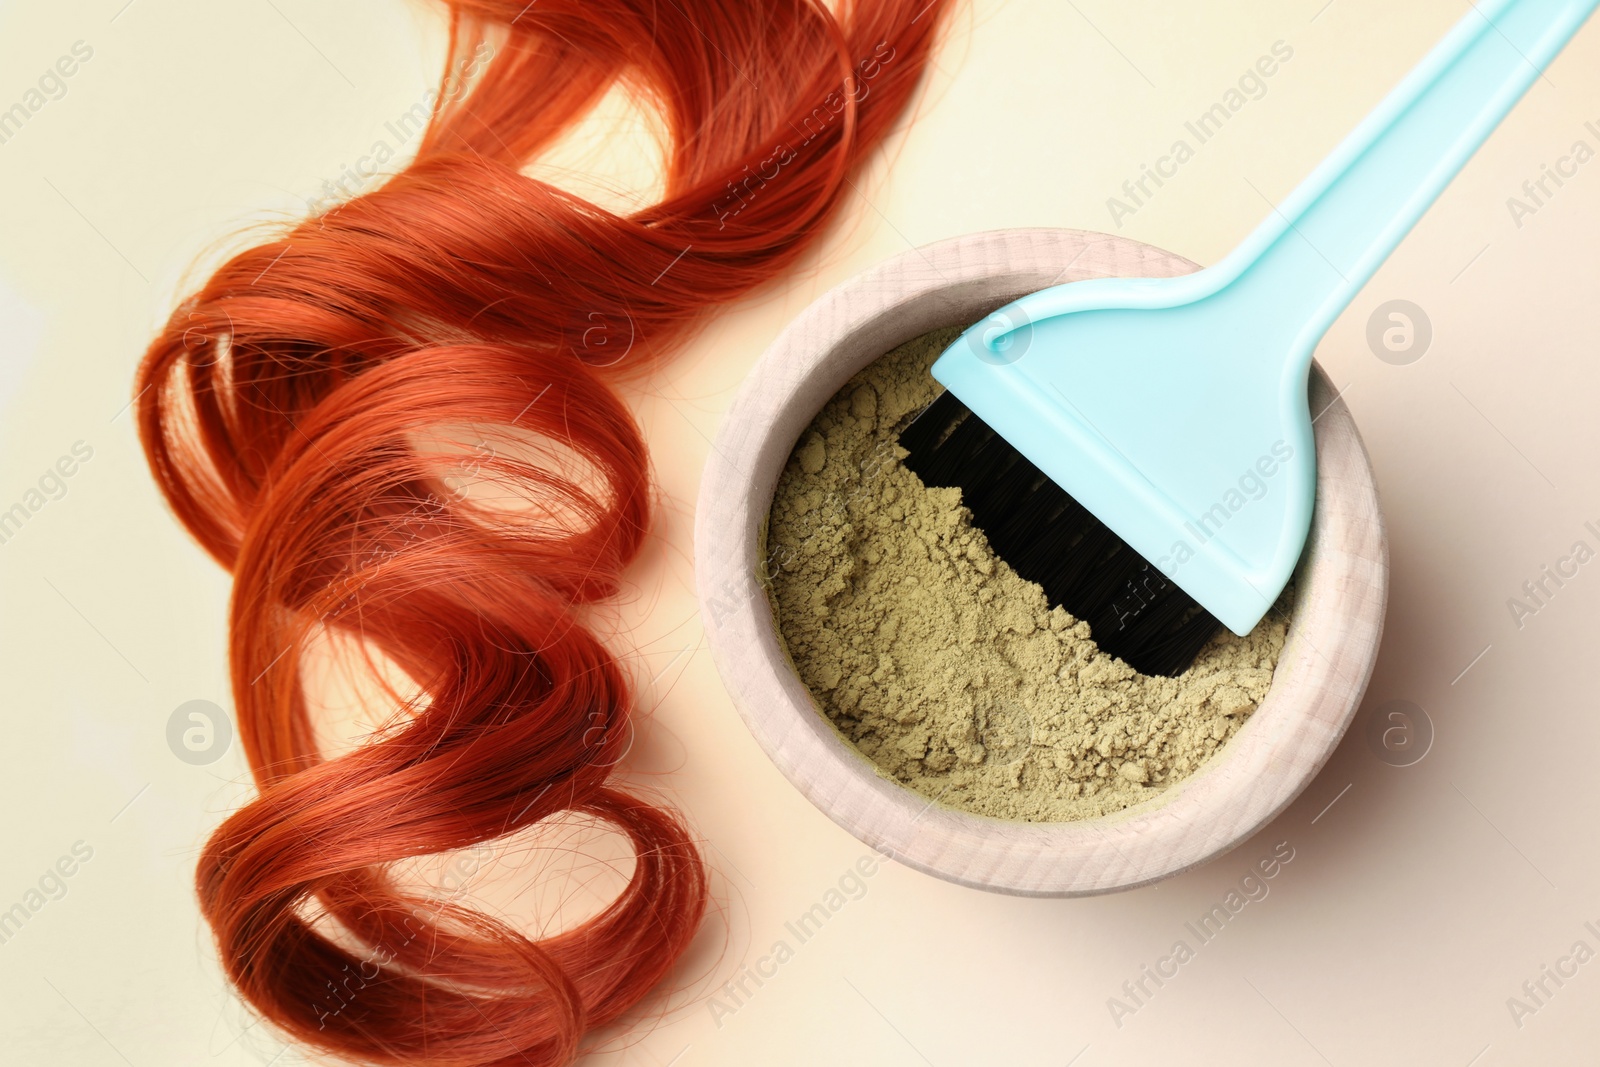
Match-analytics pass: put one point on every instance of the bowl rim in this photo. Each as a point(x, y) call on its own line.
point(1322, 673)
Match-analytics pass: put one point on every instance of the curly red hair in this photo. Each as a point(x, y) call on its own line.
point(287, 411)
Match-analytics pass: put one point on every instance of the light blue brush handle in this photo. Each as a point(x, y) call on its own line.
point(1318, 248)
point(1150, 400)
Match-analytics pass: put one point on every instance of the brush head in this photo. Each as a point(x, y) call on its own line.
point(1133, 611)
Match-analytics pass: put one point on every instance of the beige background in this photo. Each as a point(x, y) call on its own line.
point(1415, 905)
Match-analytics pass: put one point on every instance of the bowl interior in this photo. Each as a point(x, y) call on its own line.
point(1321, 675)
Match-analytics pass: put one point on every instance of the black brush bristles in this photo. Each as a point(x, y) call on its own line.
point(1133, 611)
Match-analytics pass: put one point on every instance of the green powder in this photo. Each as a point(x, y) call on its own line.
point(944, 667)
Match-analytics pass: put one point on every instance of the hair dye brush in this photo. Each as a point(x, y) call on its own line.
point(1142, 448)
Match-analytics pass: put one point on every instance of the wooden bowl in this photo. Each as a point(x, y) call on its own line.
point(1333, 636)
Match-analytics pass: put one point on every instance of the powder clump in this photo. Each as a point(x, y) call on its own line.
point(946, 669)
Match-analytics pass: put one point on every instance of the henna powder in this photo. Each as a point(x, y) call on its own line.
point(947, 670)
